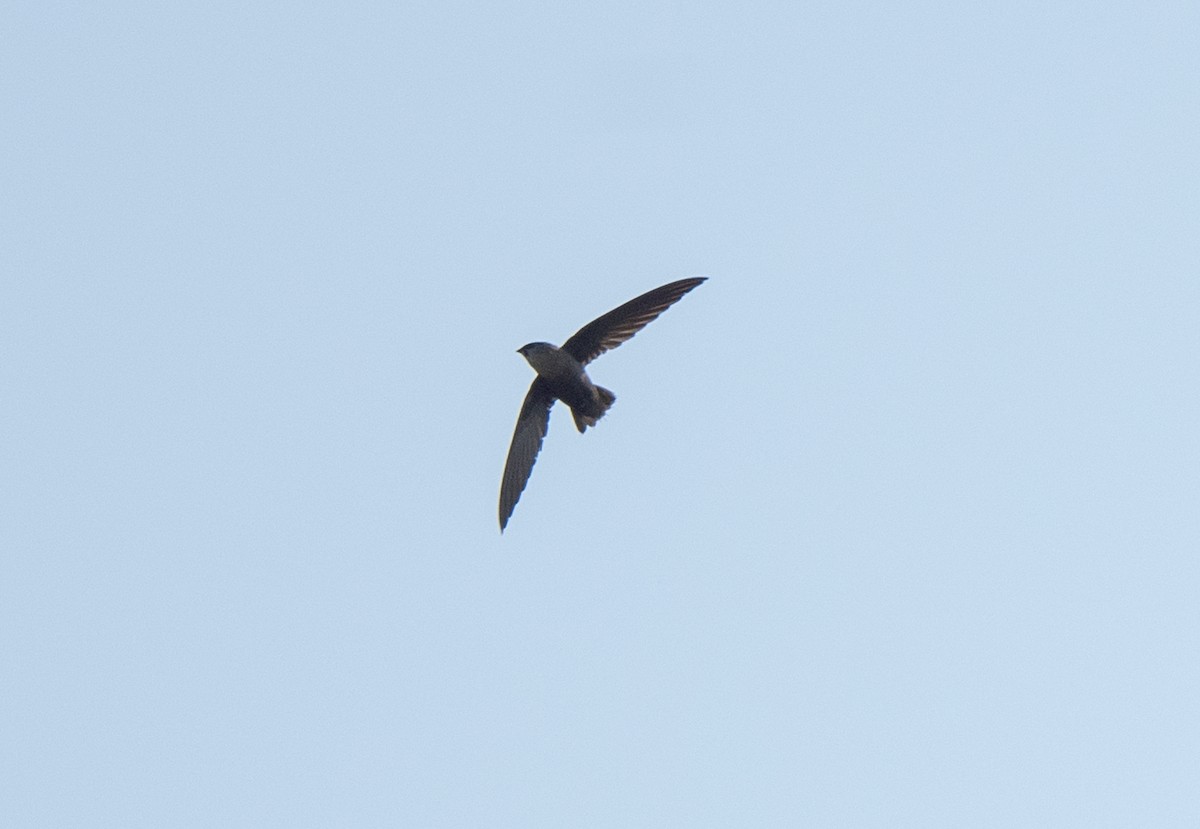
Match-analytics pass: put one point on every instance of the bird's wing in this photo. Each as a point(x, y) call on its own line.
point(621, 323)
point(532, 423)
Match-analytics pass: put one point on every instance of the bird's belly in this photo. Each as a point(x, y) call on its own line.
point(577, 392)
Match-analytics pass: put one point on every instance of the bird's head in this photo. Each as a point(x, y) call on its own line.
point(545, 358)
point(530, 349)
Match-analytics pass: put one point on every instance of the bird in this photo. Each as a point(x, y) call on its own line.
point(561, 376)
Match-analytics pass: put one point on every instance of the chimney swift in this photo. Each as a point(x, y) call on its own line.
point(560, 376)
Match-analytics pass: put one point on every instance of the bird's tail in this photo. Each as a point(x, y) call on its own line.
point(604, 400)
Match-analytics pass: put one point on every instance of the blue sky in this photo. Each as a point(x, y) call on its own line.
point(895, 520)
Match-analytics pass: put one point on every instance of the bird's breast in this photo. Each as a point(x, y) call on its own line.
point(555, 364)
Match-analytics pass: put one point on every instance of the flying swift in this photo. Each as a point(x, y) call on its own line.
point(561, 376)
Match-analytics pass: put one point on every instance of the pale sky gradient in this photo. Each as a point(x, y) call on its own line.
point(895, 522)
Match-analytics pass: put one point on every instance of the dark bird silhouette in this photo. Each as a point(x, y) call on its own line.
point(561, 376)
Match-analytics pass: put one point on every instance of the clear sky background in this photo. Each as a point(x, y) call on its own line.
point(896, 519)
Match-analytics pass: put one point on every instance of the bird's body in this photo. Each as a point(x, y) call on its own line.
point(561, 376)
point(565, 378)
